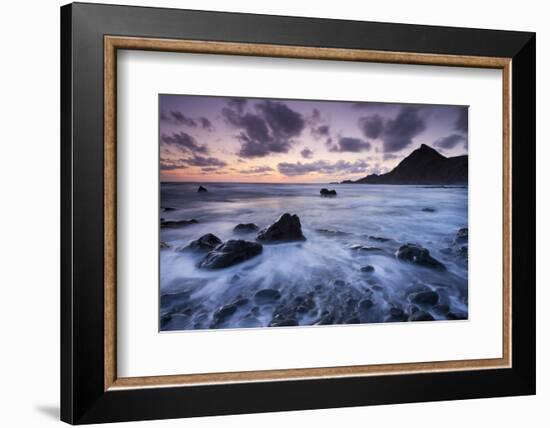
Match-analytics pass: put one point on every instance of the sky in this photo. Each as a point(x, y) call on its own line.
point(223, 139)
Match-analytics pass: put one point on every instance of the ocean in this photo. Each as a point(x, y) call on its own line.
point(345, 272)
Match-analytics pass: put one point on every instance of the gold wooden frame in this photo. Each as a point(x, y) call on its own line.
point(113, 43)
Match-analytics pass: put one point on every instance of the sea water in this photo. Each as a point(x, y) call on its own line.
point(319, 280)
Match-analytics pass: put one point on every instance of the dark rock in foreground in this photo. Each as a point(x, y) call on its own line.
point(245, 228)
point(366, 248)
point(224, 313)
point(425, 298)
point(331, 233)
point(169, 224)
point(367, 269)
point(231, 253)
point(202, 189)
point(428, 210)
point(287, 228)
point(421, 316)
point(164, 245)
point(461, 236)
point(206, 242)
point(267, 296)
point(379, 238)
point(327, 192)
point(418, 255)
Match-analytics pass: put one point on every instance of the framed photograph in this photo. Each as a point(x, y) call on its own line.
point(266, 213)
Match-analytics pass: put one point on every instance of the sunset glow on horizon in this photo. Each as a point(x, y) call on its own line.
point(223, 139)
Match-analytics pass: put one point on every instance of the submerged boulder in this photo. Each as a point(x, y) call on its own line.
point(231, 253)
point(418, 255)
point(421, 316)
point(202, 189)
point(245, 228)
point(206, 242)
point(267, 296)
point(425, 298)
point(326, 192)
point(287, 228)
point(461, 236)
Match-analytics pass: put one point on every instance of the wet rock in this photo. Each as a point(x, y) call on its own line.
point(428, 210)
point(165, 209)
point(164, 245)
point(353, 320)
point(396, 312)
point(411, 309)
point(234, 279)
point(461, 236)
point(326, 318)
point(365, 305)
point(241, 302)
point(331, 233)
point(174, 224)
point(377, 287)
point(418, 255)
point(416, 288)
point(425, 298)
point(304, 304)
point(421, 316)
point(231, 253)
point(367, 269)
point(224, 313)
point(267, 296)
point(202, 189)
point(441, 309)
point(338, 283)
point(456, 316)
point(287, 228)
point(165, 320)
point(379, 238)
point(250, 321)
point(327, 193)
point(205, 243)
point(245, 228)
point(279, 321)
point(365, 248)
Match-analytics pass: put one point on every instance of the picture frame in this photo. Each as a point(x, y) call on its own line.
point(91, 36)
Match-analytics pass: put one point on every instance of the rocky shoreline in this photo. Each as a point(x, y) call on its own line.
point(326, 300)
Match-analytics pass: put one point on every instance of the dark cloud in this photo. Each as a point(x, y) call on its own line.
point(213, 169)
point(181, 119)
point(178, 118)
point(307, 153)
point(322, 167)
point(372, 126)
point(450, 141)
point(284, 122)
point(320, 131)
point(399, 132)
point(172, 164)
point(203, 161)
point(257, 170)
point(206, 124)
point(184, 142)
point(270, 130)
point(237, 104)
point(461, 122)
point(349, 144)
